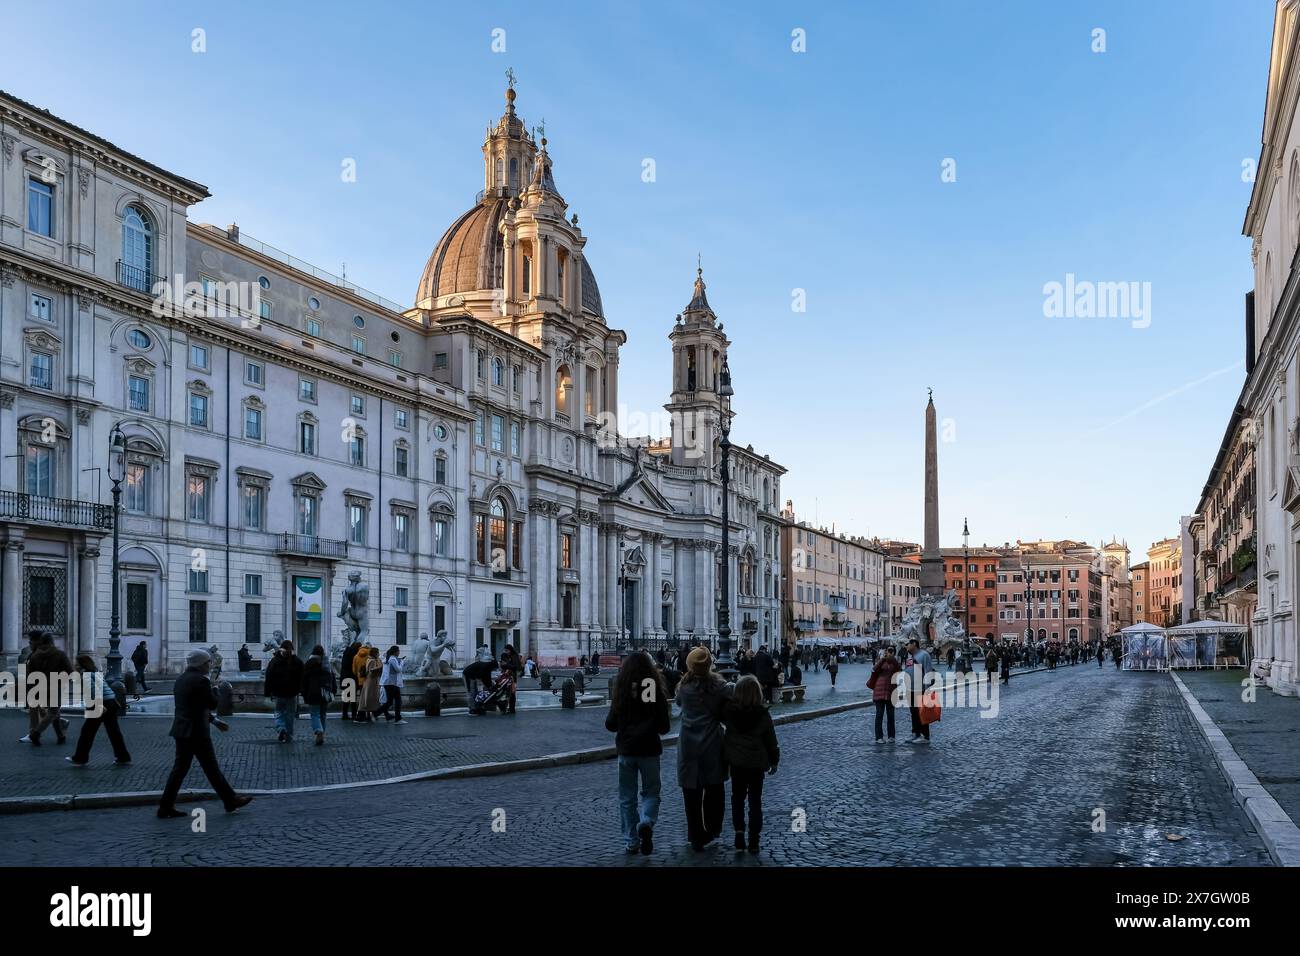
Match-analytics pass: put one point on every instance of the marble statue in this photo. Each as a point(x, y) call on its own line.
point(214, 674)
point(425, 659)
point(930, 610)
point(355, 611)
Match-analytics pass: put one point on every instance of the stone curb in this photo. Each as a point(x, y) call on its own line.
point(1278, 831)
point(98, 801)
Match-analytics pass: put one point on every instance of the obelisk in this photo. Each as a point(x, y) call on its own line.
point(931, 560)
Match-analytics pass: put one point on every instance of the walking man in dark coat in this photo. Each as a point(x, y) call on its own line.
point(196, 699)
point(140, 660)
point(765, 671)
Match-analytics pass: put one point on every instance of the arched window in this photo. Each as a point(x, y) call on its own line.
point(498, 372)
point(137, 249)
point(497, 533)
point(563, 386)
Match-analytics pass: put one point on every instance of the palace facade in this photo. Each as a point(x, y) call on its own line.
point(285, 428)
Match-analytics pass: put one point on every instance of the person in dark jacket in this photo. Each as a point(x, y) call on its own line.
point(56, 669)
point(283, 682)
point(638, 716)
point(345, 673)
point(195, 700)
point(833, 666)
point(765, 672)
point(140, 660)
point(96, 689)
point(1004, 664)
point(751, 750)
point(990, 664)
point(785, 660)
point(701, 762)
point(318, 687)
point(882, 690)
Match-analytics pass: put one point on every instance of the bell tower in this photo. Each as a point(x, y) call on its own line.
point(508, 150)
point(699, 351)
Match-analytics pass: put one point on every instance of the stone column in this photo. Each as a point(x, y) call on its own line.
point(11, 617)
point(679, 576)
point(85, 642)
point(611, 580)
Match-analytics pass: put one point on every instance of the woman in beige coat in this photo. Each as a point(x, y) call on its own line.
point(368, 695)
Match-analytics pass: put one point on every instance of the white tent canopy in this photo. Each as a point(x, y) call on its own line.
point(1143, 627)
point(1208, 627)
point(1196, 644)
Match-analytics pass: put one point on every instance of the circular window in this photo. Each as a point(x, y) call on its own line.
point(440, 432)
point(314, 303)
point(358, 321)
point(139, 339)
point(394, 336)
point(264, 282)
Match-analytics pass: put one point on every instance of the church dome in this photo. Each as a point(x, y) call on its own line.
point(470, 258)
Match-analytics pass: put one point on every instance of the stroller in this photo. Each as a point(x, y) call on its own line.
point(499, 694)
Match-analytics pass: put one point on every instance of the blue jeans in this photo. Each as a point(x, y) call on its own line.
point(648, 811)
point(317, 714)
point(286, 712)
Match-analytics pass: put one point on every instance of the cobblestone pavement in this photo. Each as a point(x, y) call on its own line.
point(252, 757)
point(1265, 732)
point(1020, 788)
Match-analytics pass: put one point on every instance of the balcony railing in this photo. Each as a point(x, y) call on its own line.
point(312, 546)
point(806, 624)
point(62, 511)
point(133, 277)
point(504, 615)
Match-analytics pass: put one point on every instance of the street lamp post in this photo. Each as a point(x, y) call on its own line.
point(965, 572)
point(116, 472)
point(724, 612)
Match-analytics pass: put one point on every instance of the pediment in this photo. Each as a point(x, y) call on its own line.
point(1291, 487)
point(308, 479)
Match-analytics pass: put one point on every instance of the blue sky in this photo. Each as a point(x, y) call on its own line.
point(817, 171)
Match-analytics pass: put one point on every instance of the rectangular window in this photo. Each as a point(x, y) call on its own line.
point(196, 494)
point(264, 309)
point(137, 488)
point(139, 393)
point(39, 306)
point(199, 356)
point(42, 370)
point(478, 360)
point(566, 550)
point(307, 389)
point(357, 451)
point(359, 344)
point(358, 405)
point(253, 424)
point(357, 524)
point(253, 585)
point(198, 622)
point(252, 623)
point(137, 606)
point(440, 360)
point(402, 418)
point(254, 373)
point(514, 439)
point(440, 530)
point(40, 207)
point(479, 426)
point(394, 358)
point(198, 410)
point(514, 378)
point(517, 545)
point(307, 438)
point(401, 627)
point(498, 433)
point(313, 328)
point(401, 597)
point(198, 581)
point(480, 538)
point(440, 470)
point(308, 505)
point(400, 461)
point(402, 532)
point(254, 506)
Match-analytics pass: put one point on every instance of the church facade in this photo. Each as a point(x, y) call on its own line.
point(286, 429)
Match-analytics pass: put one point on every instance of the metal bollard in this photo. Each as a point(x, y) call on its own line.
point(432, 700)
point(544, 682)
point(568, 694)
